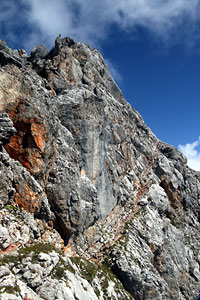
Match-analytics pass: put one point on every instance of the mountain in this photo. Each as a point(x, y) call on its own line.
point(93, 205)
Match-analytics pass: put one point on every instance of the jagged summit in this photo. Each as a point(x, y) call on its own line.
point(81, 172)
point(83, 65)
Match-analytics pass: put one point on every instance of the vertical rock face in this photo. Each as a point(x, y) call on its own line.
point(79, 160)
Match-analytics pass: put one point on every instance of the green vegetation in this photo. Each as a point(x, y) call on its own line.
point(25, 252)
point(142, 211)
point(58, 272)
point(10, 259)
point(16, 211)
point(177, 221)
point(9, 207)
point(12, 208)
point(10, 289)
point(37, 248)
point(126, 226)
point(89, 270)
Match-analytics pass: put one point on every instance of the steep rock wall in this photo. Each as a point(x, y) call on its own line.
point(80, 160)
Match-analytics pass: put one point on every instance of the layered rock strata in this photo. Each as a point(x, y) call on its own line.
point(82, 172)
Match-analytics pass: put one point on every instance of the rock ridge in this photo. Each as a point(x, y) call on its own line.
point(82, 173)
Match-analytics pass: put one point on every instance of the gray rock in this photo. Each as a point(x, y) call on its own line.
point(7, 296)
point(4, 271)
point(4, 238)
point(83, 172)
point(6, 58)
point(39, 52)
point(6, 129)
point(33, 279)
point(43, 257)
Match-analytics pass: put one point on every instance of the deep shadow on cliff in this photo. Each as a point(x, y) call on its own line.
point(113, 211)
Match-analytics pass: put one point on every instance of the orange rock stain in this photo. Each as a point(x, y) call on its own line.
point(25, 197)
point(28, 144)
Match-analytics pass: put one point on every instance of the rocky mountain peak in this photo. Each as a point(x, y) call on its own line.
point(93, 205)
point(69, 64)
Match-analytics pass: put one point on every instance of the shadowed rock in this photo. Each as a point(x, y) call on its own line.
point(6, 129)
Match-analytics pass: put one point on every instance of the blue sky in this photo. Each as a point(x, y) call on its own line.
point(151, 46)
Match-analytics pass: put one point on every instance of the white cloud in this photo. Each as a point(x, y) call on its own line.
point(89, 20)
point(192, 154)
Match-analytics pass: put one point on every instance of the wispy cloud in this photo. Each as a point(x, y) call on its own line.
point(192, 154)
point(90, 20)
point(34, 22)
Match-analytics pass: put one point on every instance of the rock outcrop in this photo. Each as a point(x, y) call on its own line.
point(93, 205)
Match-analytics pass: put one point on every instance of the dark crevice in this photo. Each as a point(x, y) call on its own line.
point(6, 59)
point(60, 224)
point(83, 81)
point(28, 141)
point(134, 287)
point(64, 230)
point(42, 73)
point(95, 91)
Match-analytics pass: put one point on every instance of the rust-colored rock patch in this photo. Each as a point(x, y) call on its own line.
point(27, 198)
point(28, 145)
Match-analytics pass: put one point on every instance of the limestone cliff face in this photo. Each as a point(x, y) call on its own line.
point(81, 171)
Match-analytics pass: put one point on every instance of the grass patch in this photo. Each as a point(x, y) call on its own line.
point(58, 272)
point(12, 208)
point(10, 259)
point(10, 289)
point(90, 270)
point(37, 248)
point(126, 226)
point(87, 269)
point(25, 252)
point(16, 211)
